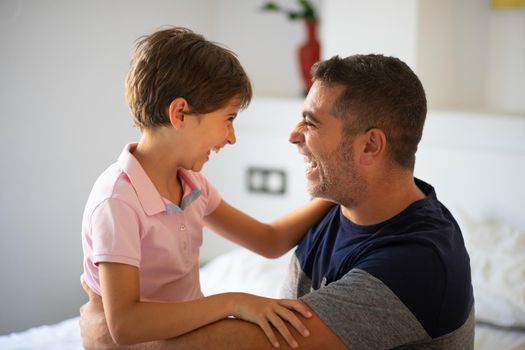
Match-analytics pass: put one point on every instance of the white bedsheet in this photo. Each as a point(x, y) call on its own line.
point(60, 336)
point(489, 337)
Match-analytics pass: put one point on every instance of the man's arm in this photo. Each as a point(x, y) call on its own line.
point(225, 334)
point(240, 335)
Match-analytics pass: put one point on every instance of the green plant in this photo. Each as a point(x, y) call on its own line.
point(307, 11)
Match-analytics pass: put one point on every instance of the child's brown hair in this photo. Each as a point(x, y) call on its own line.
point(176, 62)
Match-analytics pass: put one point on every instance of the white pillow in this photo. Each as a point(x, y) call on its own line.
point(243, 271)
point(497, 259)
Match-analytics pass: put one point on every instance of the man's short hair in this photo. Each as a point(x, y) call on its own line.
point(176, 62)
point(378, 92)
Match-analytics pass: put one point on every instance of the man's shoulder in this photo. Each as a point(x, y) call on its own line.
point(359, 305)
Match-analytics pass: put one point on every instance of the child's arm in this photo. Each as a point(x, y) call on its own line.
point(131, 321)
point(270, 240)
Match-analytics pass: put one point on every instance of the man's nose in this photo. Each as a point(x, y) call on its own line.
point(296, 136)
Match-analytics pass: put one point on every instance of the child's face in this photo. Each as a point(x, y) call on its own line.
point(212, 131)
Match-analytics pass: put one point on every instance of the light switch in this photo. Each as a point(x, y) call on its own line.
point(266, 180)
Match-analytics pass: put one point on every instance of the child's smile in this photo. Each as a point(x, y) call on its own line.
point(212, 132)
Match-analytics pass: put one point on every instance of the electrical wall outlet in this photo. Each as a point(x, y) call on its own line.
point(266, 180)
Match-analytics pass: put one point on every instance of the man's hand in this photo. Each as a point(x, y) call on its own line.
point(93, 328)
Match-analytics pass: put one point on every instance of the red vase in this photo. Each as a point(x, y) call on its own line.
point(309, 53)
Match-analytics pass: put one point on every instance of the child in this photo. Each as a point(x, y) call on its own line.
point(142, 226)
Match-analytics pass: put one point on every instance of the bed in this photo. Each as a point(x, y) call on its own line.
point(477, 164)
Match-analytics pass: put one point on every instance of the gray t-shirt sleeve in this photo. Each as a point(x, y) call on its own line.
point(365, 313)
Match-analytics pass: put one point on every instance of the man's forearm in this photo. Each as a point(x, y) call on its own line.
point(233, 334)
point(218, 335)
point(226, 334)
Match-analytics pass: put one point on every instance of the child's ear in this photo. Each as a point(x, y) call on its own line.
point(176, 112)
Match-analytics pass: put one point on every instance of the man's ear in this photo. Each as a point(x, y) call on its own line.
point(374, 145)
point(176, 112)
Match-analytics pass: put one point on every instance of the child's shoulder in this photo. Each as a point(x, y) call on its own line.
point(113, 183)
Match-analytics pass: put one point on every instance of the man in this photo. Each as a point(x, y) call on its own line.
point(387, 266)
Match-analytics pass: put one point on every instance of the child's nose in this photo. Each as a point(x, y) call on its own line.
point(231, 136)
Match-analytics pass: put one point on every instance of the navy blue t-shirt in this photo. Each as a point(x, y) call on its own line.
point(418, 254)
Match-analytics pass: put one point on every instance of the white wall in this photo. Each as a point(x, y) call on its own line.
point(451, 52)
point(470, 55)
point(505, 87)
point(375, 26)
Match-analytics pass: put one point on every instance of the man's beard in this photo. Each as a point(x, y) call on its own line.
point(339, 180)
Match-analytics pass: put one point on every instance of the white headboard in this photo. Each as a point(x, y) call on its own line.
point(476, 162)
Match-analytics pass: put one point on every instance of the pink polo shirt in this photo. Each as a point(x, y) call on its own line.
point(127, 221)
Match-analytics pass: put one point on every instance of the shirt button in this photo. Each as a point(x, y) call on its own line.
point(182, 227)
point(185, 245)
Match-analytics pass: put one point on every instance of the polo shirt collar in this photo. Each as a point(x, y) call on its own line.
point(149, 198)
point(191, 192)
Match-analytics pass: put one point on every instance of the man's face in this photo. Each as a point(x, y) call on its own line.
point(332, 172)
